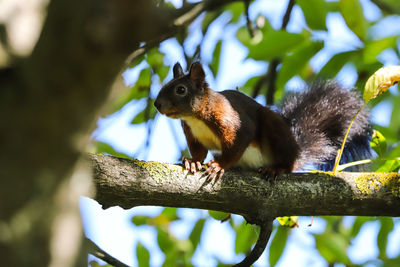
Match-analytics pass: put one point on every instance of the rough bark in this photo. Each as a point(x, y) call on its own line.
point(127, 183)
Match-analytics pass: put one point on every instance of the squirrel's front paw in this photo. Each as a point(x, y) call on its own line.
point(214, 171)
point(192, 165)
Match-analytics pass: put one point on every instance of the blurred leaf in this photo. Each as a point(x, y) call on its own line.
point(104, 148)
point(358, 223)
point(295, 62)
point(373, 48)
point(332, 6)
point(274, 44)
point(353, 15)
point(136, 61)
point(167, 216)
point(143, 255)
point(378, 143)
point(218, 215)
point(335, 64)
point(332, 246)
point(236, 9)
point(214, 65)
point(290, 221)
point(148, 113)
point(155, 58)
point(195, 235)
point(165, 241)
point(395, 118)
point(387, 166)
point(394, 5)
point(315, 12)
point(140, 90)
point(246, 236)
point(209, 18)
point(382, 238)
point(278, 245)
point(139, 220)
point(248, 87)
point(380, 81)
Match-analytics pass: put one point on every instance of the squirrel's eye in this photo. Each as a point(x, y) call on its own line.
point(180, 90)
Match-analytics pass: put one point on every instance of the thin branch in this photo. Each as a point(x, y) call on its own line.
point(248, 21)
point(102, 255)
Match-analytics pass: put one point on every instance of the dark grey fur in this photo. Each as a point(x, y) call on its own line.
point(319, 118)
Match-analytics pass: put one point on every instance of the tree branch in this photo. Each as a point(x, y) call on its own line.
point(129, 183)
point(96, 251)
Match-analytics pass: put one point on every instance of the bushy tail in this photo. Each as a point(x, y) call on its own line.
point(319, 118)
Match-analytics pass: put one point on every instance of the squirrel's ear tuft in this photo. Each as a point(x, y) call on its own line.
point(196, 72)
point(178, 71)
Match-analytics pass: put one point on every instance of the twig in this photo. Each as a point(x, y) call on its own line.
point(101, 254)
point(248, 21)
point(259, 247)
point(271, 73)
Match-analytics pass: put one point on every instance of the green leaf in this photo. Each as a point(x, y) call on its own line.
point(373, 48)
point(382, 238)
point(378, 143)
point(278, 245)
point(236, 9)
point(218, 215)
point(388, 166)
point(209, 18)
point(295, 63)
point(246, 236)
point(335, 64)
point(143, 255)
point(394, 5)
point(353, 15)
point(332, 246)
point(315, 12)
point(195, 235)
point(380, 81)
point(170, 213)
point(358, 223)
point(164, 240)
point(248, 87)
point(274, 44)
point(141, 220)
point(104, 148)
point(148, 113)
point(214, 65)
point(155, 58)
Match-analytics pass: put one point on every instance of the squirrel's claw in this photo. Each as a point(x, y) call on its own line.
point(192, 165)
point(214, 171)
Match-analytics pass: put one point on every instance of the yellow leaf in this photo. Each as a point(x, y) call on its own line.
point(289, 221)
point(380, 81)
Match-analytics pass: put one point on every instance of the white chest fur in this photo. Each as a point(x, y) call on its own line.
point(203, 133)
point(253, 159)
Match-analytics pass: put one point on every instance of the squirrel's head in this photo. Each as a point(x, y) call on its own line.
point(185, 92)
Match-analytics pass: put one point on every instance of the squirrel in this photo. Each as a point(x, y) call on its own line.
point(308, 129)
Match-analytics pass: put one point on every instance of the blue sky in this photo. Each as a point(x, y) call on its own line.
point(111, 229)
